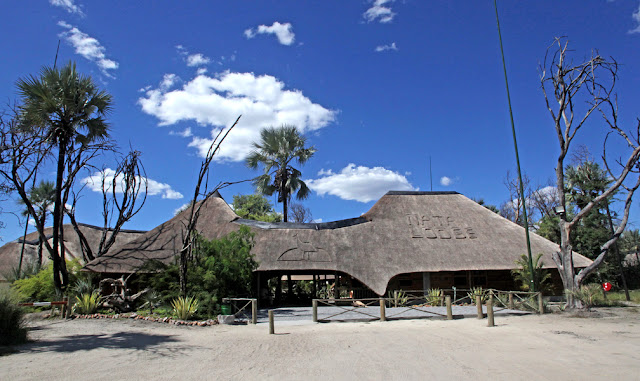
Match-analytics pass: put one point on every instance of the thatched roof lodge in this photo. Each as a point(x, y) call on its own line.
point(10, 252)
point(408, 240)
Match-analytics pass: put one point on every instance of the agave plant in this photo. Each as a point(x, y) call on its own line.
point(477, 291)
point(184, 307)
point(87, 303)
point(434, 297)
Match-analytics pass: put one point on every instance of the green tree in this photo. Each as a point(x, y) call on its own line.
point(71, 109)
point(42, 198)
point(277, 149)
point(222, 268)
point(255, 207)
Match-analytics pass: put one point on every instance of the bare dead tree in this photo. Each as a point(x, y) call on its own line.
point(298, 213)
point(22, 154)
point(573, 92)
point(541, 199)
point(201, 194)
point(124, 193)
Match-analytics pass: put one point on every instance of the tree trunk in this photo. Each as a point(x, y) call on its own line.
point(58, 277)
point(24, 238)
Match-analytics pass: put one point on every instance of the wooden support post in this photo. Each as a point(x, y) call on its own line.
point(490, 312)
point(395, 298)
point(447, 300)
point(272, 329)
point(510, 301)
point(314, 303)
point(254, 311)
point(64, 307)
point(479, 306)
point(540, 304)
point(383, 316)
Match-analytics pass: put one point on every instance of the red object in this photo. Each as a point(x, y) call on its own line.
point(606, 286)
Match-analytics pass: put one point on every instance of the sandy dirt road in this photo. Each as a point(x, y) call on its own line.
point(548, 347)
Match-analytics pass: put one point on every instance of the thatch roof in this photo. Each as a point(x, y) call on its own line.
point(403, 232)
point(10, 252)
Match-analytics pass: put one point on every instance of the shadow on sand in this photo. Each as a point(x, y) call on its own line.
point(119, 340)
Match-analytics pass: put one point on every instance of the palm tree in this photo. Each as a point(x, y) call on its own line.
point(279, 147)
point(71, 109)
point(42, 198)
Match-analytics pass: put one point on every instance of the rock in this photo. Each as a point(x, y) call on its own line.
point(226, 319)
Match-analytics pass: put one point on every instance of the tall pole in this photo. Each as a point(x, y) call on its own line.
point(430, 174)
point(515, 144)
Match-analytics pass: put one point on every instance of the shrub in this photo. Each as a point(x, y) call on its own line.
point(84, 286)
point(587, 294)
point(40, 287)
point(184, 308)
point(221, 268)
point(12, 329)
point(541, 277)
point(87, 303)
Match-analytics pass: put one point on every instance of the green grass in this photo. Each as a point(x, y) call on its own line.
point(619, 296)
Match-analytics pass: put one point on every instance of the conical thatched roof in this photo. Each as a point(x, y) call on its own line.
point(10, 252)
point(403, 232)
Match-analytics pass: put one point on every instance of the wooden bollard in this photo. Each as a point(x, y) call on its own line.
point(447, 300)
point(383, 316)
point(540, 304)
point(510, 301)
point(254, 311)
point(395, 299)
point(64, 308)
point(272, 329)
point(314, 303)
point(479, 306)
point(490, 312)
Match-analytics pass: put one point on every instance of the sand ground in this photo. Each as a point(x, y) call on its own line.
point(548, 347)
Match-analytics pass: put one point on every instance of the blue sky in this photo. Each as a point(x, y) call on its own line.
point(378, 87)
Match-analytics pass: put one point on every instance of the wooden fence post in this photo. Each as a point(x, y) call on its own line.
point(510, 301)
point(314, 303)
point(447, 300)
point(383, 316)
point(479, 306)
point(271, 325)
point(490, 312)
point(254, 311)
point(540, 304)
point(64, 308)
point(395, 298)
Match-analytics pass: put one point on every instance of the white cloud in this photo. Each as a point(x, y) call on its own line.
point(88, 47)
point(383, 48)
point(186, 133)
point(217, 102)
point(94, 182)
point(168, 80)
point(359, 183)
point(67, 5)
point(201, 70)
point(380, 12)
point(284, 32)
point(636, 18)
point(197, 59)
point(446, 181)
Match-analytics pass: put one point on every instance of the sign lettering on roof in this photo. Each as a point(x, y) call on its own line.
point(438, 227)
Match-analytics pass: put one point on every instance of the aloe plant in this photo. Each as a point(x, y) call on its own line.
point(184, 307)
point(87, 303)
